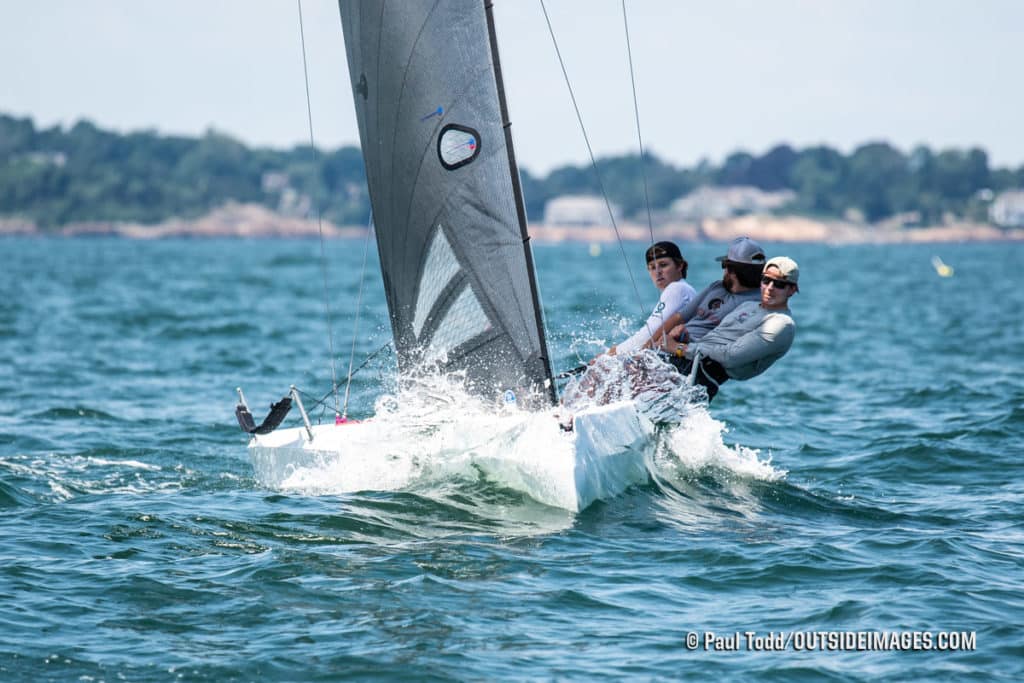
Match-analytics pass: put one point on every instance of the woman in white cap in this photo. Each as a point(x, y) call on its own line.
point(748, 340)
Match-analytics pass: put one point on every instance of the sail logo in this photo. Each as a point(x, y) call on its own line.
point(457, 146)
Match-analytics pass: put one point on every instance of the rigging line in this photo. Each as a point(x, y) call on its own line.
point(319, 215)
point(636, 114)
point(359, 307)
point(640, 140)
point(319, 401)
point(315, 402)
point(593, 161)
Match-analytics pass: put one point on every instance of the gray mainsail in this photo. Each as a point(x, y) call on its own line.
point(447, 205)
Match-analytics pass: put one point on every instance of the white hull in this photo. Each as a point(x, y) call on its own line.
point(604, 454)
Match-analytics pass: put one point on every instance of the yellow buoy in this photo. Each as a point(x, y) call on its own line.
point(941, 268)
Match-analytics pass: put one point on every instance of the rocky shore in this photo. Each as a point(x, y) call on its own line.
point(255, 221)
point(230, 220)
point(781, 229)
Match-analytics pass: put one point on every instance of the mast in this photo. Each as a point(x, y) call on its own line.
point(517, 189)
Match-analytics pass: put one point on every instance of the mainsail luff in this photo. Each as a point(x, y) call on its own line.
point(517, 189)
point(448, 209)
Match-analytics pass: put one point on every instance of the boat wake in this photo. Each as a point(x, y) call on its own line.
point(432, 435)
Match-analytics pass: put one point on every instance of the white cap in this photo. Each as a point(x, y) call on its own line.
point(788, 268)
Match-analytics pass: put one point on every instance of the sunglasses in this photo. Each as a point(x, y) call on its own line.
point(779, 284)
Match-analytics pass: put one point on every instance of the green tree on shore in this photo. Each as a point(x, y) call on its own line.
point(54, 176)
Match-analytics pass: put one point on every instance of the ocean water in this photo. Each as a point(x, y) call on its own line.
point(858, 510)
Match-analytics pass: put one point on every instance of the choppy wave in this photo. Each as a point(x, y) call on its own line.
point(871, 480)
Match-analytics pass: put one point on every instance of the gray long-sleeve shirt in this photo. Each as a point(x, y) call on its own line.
point(711, 306)
point(748, 340)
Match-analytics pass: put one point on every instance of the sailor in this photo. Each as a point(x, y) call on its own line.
point(748, 340)
point(741, 274)
point(667, 269)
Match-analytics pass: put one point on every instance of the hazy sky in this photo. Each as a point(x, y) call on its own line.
point(712, 76)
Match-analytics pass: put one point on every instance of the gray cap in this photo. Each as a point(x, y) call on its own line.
point(744, 250)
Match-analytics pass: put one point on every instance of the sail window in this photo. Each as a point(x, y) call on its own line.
point(438, 270)
point(464, 320)
point(457, 146)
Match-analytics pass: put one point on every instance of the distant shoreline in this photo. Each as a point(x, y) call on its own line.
point(782, 229)
point(255, 221)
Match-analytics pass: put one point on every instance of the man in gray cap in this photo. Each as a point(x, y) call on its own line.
point(741, 267)
point(748, 340)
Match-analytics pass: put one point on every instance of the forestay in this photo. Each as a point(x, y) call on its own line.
point(448, 209)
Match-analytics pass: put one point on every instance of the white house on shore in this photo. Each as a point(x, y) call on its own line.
point(725, 202)
point(579, 211)
point(1007, 209)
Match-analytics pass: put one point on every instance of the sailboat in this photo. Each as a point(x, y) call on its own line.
point(456, 261)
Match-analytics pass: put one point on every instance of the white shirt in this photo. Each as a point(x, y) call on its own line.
point(673, 298)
